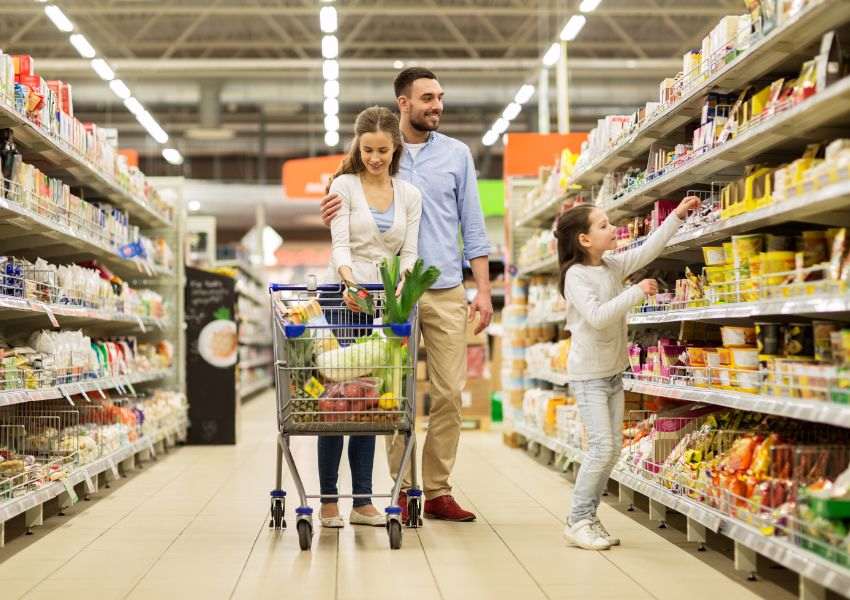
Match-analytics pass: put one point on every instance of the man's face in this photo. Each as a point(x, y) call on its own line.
point(424, 105)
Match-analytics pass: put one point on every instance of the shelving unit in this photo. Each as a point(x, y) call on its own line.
point(813, 569)
point(770, 139)
point(28, 231)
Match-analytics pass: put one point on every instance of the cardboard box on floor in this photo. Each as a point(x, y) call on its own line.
point(475, 397)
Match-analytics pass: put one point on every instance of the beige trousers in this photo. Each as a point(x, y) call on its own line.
point(442, 319)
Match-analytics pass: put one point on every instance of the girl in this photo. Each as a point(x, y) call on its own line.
point(592, 284)
point(378, 219)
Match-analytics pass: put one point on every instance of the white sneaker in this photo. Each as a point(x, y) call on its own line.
point(584, 535)
point(600, 530)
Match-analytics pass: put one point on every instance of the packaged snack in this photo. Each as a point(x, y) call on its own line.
point(799, 340)
point(745, 358)
point(823, 331)
point(836, 258)
point(769, 339)
point(714, 255)
point(738, 336)
point(362, 298)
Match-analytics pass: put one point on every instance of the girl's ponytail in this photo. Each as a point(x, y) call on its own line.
point(571, 224)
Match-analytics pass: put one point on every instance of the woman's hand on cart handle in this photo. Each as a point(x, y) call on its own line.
point(329, 206)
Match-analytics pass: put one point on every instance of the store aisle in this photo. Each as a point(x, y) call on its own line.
point(195, 526)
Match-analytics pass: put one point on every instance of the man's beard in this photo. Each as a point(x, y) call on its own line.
point(423, 126)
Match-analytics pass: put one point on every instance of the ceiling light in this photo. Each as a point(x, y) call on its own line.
point(511, 111)
point(501, 125)
point(330, 69)
point(589, 5)
point(79, 41)
point(133, 105)
point(332, 89)
point(332, 123)
point(524, 94)
point(55, 14)
point(174, 157)
point(119, 88)
point(103, 70)
point(399, 64)
point(332, 138)
point(327, 19)
point(193, 205)
point(553, 55)
point(573, 27)
point(331, 106)
point(490, 138)
point(152, 127)
point(330, 46)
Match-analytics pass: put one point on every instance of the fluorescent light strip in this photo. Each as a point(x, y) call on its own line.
point(550, 58)
point(328, 19)
point(118, 87)
point(330, 46)
point(55, 14)
point(328, 23)
point(81, 44)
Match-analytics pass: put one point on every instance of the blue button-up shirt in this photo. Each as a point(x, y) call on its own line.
point(444, 172)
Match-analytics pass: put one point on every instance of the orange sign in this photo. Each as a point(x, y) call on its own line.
point(307, 178)
point(132, 156)
point(525, 153)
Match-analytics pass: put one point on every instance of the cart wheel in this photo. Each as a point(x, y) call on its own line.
point(277, 521)
point(394, 529)
point(305, 534)
point(414, 513)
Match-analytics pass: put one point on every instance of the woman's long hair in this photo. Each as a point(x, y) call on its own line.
point(372, 120)
point(571, 224)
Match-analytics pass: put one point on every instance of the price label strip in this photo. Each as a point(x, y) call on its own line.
point(51, 317)
point(141, 323)
point(82, 391)
point(130, 387)
point(113, 467)
point(152, 447)
point(99, 390)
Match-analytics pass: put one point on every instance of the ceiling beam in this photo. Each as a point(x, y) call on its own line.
point(629, 41)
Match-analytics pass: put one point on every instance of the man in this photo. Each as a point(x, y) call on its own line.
point(443, 170)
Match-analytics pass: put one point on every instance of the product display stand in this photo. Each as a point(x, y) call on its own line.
point(71, 420)
point(779, 184)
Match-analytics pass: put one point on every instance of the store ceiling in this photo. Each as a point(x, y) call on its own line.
point(252, 67)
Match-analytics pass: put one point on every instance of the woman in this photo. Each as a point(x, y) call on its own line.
point(378, 219)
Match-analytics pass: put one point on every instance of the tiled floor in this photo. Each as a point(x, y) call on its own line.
point(195, 526)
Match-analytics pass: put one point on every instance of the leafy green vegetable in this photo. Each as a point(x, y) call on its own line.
point(417, 282)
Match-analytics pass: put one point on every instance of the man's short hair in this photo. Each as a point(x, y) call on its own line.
point(405, 79)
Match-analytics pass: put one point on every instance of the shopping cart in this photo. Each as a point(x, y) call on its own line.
point(341, 373)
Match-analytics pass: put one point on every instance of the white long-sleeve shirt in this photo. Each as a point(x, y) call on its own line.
point(598, 306)
point(357, 241)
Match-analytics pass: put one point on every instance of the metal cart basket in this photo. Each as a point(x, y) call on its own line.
point(341, 373)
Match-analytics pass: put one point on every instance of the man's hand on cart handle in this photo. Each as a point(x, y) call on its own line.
point(483, 305)
point(329, 206)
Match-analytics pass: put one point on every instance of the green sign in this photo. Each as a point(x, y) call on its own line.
point(492, 194)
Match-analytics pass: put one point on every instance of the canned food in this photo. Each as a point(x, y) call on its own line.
point(799, 340)
point(714, 255)
point(769, 338)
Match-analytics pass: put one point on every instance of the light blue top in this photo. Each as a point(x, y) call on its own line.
point(445, 174)
point(384, 220)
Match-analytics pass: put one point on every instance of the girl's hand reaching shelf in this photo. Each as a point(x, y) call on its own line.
point(686, 205)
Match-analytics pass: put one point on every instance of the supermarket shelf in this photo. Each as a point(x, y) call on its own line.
point(768, 53)
point(31, 233)
point(807, 564)
point(16, 308)
point(255, 341)
point(9, 397)
point(58, 160)
point(258, 299)
point(252, 388)
point(258, 362)
point(17, 506)
point(804, 410)
point(549, 375)
point(814, 305)
point(548, 265)
point(834, 197)
point(540, 214)
point(555, 319)
point(820, 110)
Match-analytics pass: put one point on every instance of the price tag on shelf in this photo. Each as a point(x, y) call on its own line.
point(113, 467)
point(65, 394)
point(89, 483)
point(132, 389)
point(50, 316)
point(69, 489)
point(141, 323)
point(82, 391)
point(99, 390)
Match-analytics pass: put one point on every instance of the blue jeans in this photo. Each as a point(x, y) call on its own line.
point(600, 404)
point(361, 448)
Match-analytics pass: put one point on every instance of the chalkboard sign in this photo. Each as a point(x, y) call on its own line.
point(212, 351)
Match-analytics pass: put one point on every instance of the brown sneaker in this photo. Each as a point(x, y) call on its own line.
point(445, 508)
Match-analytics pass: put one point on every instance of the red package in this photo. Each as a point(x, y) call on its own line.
point(23, 64)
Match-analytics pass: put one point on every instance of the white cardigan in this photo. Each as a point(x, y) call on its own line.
point(357, 242)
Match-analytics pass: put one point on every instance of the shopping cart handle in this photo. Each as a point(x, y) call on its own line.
point(324, 287)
